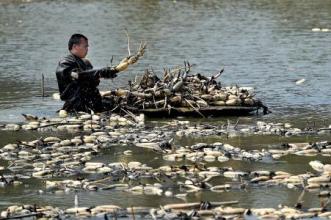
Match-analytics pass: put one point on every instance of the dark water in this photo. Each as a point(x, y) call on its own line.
point(265, 44)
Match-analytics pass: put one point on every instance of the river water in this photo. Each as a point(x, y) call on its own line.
point(265, 44)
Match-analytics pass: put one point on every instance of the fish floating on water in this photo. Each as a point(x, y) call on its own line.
point(70, 158)
point(320, 29)
point(300, 81)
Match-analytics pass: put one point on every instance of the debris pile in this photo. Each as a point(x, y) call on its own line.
point(180, 89)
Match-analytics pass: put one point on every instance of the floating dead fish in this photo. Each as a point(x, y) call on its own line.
point(105, 209)
point(300, 81)
point(218, 188)
point(63, 113)
point(127, 152)
point(317, 165)
point(77, 210)
point(229, 210)
point(119, 186)
point(319, 179)
point(234, 174)
point(12, 127)
point(42, 173)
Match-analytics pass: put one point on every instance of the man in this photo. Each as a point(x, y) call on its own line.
point(78, 80)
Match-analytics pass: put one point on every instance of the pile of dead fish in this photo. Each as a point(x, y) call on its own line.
point(53, 156)
point(214, 210)
point(214, 152)
point(96, 122)
point(76, 123)
point(308, 181)
point(180, 88)
point(302, 149)
point(184, 128)
point(223, 152)
point(192, 168)
point(286, 129)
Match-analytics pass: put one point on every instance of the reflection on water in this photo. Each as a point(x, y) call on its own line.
point(265, 44)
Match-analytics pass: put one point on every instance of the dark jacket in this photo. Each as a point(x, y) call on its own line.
point(81, 94)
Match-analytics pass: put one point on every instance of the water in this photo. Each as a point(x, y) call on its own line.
point(265, 44)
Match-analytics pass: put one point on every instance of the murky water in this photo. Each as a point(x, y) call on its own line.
point(265, 44)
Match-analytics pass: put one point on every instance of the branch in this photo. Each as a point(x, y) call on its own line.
point(127, 35)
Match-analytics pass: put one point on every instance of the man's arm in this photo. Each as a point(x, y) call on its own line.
point(94, 74)
point(64, 69)
point(68, 69)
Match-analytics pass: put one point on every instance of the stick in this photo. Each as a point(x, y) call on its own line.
point(130, 114)
point(127, 35)
point(169, 108)
point(111, 60)
point(227, 129)
point(177, 69)
point(101, 180)
point(299, 200)
point(218, 74)
point(154, 102)
point(197, 97)
point(182, 68)
point(235, 126)
point(42, 85)
point(76, 201)
point(324, 203)
point(197, 204)
point(165, 102)
point(91, 124)
point(194, 108)
point(135, 79)
point(115, 215)
point(133, 217)
point(114, 108)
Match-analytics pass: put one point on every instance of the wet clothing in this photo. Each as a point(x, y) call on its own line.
point(80, 93)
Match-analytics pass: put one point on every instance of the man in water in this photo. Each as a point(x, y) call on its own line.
point(78, 80)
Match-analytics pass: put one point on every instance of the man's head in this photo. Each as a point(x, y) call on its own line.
point(78, 45)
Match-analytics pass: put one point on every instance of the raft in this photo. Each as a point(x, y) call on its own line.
point(201, 112)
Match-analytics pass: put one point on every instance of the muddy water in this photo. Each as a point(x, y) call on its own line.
point(265, 44)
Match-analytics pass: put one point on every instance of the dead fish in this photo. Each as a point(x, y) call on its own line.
point(317, 165)
point(30, 117)
point(12, 127)
point(300, 81)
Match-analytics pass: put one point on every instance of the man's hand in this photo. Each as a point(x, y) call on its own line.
point(108, 72)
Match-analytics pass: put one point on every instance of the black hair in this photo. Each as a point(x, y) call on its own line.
point(75, 39)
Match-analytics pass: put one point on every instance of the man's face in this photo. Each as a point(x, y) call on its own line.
point(81, 49)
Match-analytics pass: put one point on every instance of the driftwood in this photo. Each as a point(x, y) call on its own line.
point(180, 92)
point(196, 205)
